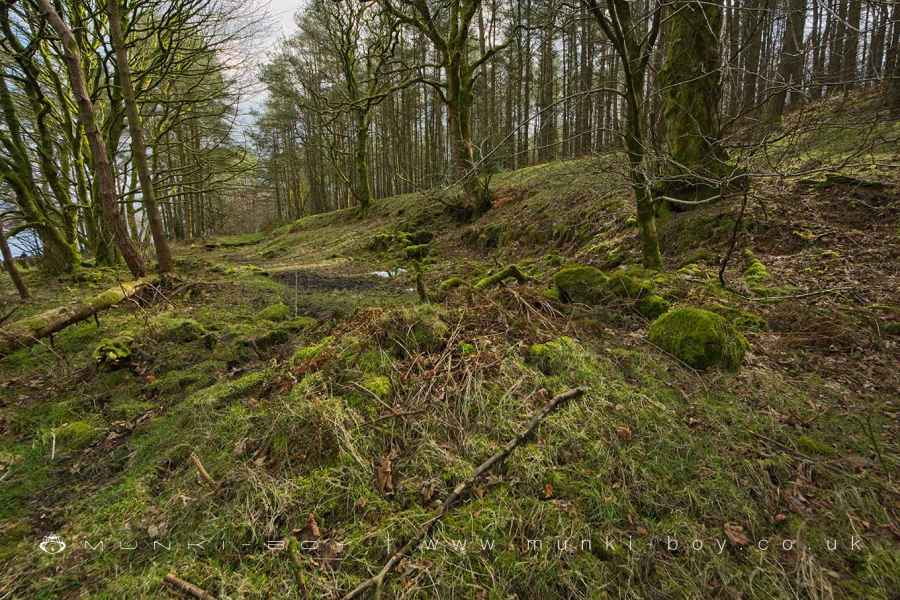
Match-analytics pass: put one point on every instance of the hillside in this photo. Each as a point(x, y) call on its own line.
point(289, 402)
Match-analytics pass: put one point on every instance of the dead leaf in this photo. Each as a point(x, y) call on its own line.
point(624, 433)
point(310, 531)
point(384, 475)
point(735, 533)
point(330, 552)
point(548, 490)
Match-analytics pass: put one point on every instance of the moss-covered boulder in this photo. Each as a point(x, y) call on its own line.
point(74, 435)
point(114, 352)
point(177, 329)
point(412, 330)
point(553, 357)
point(580, 283)
point(276, 312)
point(699, 338)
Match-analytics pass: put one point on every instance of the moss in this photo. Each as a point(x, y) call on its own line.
point(553, 260)
point(653, 306)
point(74, 435)
point(417, 251)
point(413, 329)
point(699, 338)
point(299, 324)
point(114, 352)
point(466, 348)
point(552, 294)
point(756, 271)
point(890, 327)
point(177, 329)
point(553, 357)
point(627, 284)
point(813, 446)
point(276, 312)
point(313, 351)
point(378, 385)
point(582, 284)
point(451, 283)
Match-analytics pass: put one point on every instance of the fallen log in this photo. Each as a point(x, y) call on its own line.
point(25, 332)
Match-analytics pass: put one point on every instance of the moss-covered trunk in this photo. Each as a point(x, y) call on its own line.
point(691, 90)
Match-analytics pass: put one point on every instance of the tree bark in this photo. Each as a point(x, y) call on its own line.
point(138, 145)
point(102, 168)
point(10, 263)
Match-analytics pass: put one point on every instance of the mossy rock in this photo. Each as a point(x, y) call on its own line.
point(177, 329)
point(553, 357)
point(417, 251)
point(276, 312)
point(381, 242)
point(699, 338)
point(299, 324)
point(114, 352)
point(653, 306)
point(581, 284)
point(407, 331)
point(451, 284)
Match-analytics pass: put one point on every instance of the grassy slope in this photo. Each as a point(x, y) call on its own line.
point(801, 444)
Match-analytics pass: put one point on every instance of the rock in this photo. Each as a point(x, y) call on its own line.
point(699, 338)
point(581, 284)
point(626, 284)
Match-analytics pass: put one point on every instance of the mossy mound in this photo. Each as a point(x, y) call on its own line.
point(177, 329)
point(276, 312)
point(377, 385)
point(699, 338)
point(451, 283)
point(74, 435)
point(553, 357)
point(114, 352)
point(411, 330)
point(756, 272)
point(581, 284)
point(626, 284)
point(313, 351)
point(417, 251)
point(653, 306)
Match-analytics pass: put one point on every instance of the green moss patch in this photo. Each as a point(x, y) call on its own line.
point(177, 329)
point(276, 312)
point(411, 330)
point(699, 338)
point(581, 284)
point(114, 352)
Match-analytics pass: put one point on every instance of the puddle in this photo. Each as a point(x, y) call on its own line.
point(388, 274)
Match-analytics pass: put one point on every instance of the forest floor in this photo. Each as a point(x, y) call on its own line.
point(332, 412)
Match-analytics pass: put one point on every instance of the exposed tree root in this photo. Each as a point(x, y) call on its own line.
point(461, 489)
point(26, 332)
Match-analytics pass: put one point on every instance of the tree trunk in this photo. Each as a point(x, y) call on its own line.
point(790, 70)
point(138, 145)
point(10, 263)
point(102, 168)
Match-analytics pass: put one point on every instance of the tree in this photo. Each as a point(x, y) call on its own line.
point(138, 145)
point(634, 49)
point(101, 165)
point(10, 264)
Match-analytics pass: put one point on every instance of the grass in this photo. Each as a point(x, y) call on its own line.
point(660, 481)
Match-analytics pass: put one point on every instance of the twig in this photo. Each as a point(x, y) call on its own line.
point(185, 587)
point(204, 474)
point(378, 580)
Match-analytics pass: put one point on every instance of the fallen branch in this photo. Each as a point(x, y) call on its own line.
point(505, 273)
point(204, 474)
point(377, 581)
point(26, 332)
point(185, 587)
